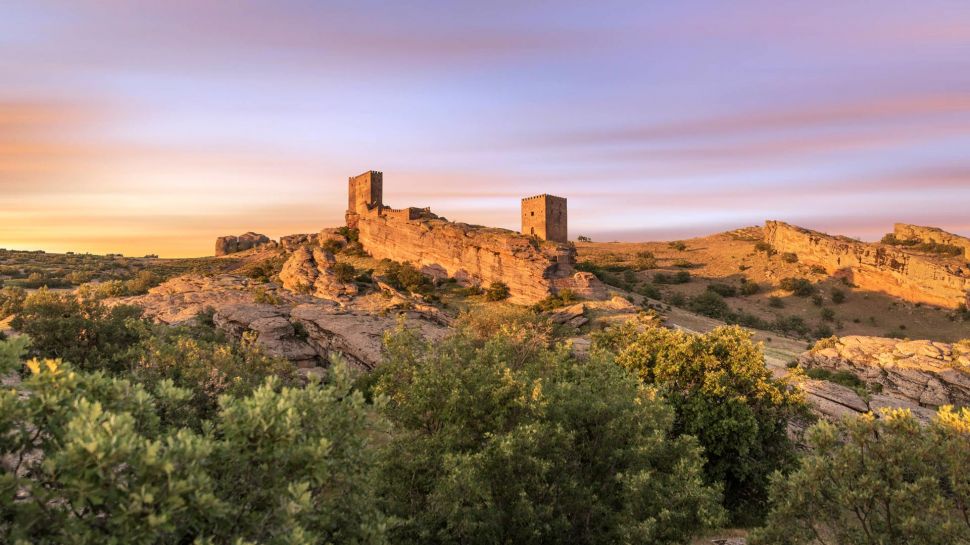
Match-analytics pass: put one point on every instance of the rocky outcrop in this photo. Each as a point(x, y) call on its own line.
point(905, 231)
point(876, 267)
point(532, 269)
point(309, 332)
point(231, 244)
point(922, 373)
point(312, 271)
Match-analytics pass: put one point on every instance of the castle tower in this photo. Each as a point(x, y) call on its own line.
point(544, 216)
point(365, 192)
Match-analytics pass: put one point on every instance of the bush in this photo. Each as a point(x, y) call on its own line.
point(845, 378)
point(645, 260)
point(676, 299)
point(263, 296)
point(776, 302)
point(822, 332)
point(790, 324)
point(828, 315)
point(582, 238)
point(104, 460)
point(789, 257)
point(749, 288)
point(678, 245)
point(838, 296)
point(724, 395)
point(344, 272)
point(876, 478)
point(406, 277)
point(532, 446)
point(798, 286)
point(763, 246)
point(87, 333)
point(709, 304)
point(947, 250)
point(649, 290)
point(724, 290)
point(11, 300)
point(818, 269)
point(683, 264)
point(497, 291)
point(681, 277)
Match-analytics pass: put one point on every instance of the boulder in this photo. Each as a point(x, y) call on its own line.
point(231, 244)
point(311, 271)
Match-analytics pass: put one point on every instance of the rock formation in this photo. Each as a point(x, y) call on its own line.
point(231, 244)
point(905, 231)
point(532, 268)
point(877, 267)
point(312, 271)
point(924, 373)
point(307, 331)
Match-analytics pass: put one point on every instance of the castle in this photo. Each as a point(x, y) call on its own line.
point(543, 216)
point(535, 264)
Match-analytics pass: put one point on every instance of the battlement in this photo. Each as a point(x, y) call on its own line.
point(365, 192)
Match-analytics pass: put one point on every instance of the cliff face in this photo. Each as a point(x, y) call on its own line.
point(876, 267)
point(532, 269)
point(905, 231)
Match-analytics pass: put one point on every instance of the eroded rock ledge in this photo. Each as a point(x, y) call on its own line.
point(877, 267)
point(919, 375)
point(308, 331)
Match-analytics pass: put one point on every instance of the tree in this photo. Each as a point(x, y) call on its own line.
point(724, 395)
point(497, 291)
point(874, 479)
point(91, 459)
point(505, 440)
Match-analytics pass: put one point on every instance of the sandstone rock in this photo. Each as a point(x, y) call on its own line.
point(292, 242)
point(231, 244)
point(328, 329)
point(920, 373)
point(905, 231)
point(876, 267)
point(568, 314)
point(311, 271)
point(531, 268)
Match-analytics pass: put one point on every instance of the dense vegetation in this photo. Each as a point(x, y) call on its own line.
point(123, 431)
point(723, 394)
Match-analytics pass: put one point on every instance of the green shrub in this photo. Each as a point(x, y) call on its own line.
point(649, 290)
point(724, 290)
point(763, 246)
point(828, 315)
point(876, 478)
point(838, 296)
point(530, 445)
point(789, 257)
point(105, 460)
point(11, 300)
point(497, 291)
point(790, 324)
point(709, 304)
point(722, 394)
point(645, 260)
point(406, 277)
point(344, 272)
point(678, 245)
point(776, 302)
point(798, 286)
point(748, 287)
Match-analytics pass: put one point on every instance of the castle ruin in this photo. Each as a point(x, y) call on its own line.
point(544, 216)
point(534, 265)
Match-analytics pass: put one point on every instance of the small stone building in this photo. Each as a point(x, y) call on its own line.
point(544, 216)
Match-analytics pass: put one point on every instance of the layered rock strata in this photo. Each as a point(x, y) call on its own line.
point(877, 267)
point(922, 373)
point(905, 231)
point(532, 269)
point(312, 271)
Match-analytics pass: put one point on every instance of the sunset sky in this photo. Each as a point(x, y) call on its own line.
point(154, 126)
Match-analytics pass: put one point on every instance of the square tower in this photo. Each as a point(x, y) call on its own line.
point(544, 216)
point(364, 192)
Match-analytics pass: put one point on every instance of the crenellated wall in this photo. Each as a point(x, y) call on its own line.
point(876, 267)
point(531, 268)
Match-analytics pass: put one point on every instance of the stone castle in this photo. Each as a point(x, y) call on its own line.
point(535, 264)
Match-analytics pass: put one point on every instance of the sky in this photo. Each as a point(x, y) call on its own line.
point(154, 126)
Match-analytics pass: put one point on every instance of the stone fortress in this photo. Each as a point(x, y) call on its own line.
point(535, 264)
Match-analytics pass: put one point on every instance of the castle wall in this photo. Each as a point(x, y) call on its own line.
point(905, 231)
point(477, 255)
point(364, 191)
point(876, 267)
